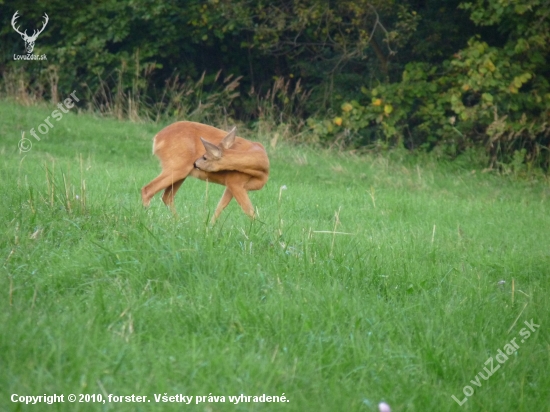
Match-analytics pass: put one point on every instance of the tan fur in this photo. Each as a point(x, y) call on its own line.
point(238, 164)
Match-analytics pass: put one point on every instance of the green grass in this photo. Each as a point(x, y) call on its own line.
point(99, 296)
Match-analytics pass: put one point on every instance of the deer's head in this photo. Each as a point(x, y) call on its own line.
point(29, 40)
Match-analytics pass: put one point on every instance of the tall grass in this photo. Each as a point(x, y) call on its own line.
point(367, 279)
point(280, 111)
point(128, 93)
point(199, 100)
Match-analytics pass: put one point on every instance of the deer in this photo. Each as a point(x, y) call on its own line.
point(207, 153)
point(29, 40)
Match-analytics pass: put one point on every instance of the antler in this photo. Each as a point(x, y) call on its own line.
point(13, 21)
point(35, 32)
point(46, 19)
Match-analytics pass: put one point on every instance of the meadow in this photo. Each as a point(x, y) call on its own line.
point(366, 278)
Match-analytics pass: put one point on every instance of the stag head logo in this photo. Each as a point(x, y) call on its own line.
point(29, 40)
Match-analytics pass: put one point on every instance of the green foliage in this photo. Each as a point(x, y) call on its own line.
point(88, 45)
point(308, 39)
point(495, 96)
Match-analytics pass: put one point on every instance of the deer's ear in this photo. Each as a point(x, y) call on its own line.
point(229, 140)
point(212, 149)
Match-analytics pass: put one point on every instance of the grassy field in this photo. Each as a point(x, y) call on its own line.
point(365, 279)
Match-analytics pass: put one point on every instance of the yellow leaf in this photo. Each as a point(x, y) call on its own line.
point(338, 121)
point(388, 108)
point(465, 87)
point(346, 107)
point(377, 102)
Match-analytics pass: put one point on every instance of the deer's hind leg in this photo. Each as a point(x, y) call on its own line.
point(170, 192)
point(168, 180)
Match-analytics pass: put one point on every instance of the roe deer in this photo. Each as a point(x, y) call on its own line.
point(207, 153)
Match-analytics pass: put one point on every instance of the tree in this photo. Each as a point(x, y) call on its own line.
point(494, 95)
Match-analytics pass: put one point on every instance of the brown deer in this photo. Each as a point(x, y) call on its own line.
point(207, 153)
